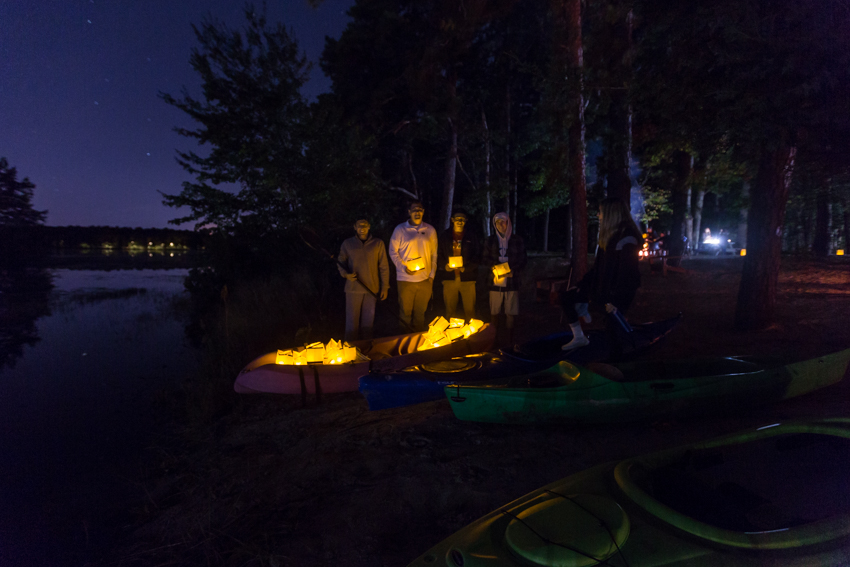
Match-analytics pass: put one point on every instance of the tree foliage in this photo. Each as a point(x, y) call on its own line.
point(16, 199)
point(252, 118)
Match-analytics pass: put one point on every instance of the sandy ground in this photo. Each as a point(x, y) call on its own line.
point(273, 483)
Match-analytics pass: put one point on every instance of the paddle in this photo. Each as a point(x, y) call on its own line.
point(311, 239)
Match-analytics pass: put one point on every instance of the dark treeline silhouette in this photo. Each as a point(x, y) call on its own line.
point(49, 238)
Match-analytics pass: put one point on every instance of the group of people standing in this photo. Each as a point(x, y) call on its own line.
point(421, 257)
point(453, 257)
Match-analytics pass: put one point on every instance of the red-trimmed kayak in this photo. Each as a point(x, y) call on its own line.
point(387, 354)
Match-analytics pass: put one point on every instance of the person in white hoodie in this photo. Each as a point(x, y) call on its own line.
point(414, 245)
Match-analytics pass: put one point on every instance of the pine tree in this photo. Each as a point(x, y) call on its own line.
point(16, 199)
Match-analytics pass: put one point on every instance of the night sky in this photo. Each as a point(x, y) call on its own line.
point(79, 111)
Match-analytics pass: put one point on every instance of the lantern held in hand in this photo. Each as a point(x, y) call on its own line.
point(416, 264)
point(501, 270)
point(455, 261)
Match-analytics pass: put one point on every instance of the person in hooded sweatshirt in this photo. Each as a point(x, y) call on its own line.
point(504, 247)
point(614, 278)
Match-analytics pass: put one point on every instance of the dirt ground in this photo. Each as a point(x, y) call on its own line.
point(276, 484)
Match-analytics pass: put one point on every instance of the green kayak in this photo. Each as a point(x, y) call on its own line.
point(645, 389)
point(776, 495)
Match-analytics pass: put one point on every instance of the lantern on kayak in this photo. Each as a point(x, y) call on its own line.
point(455, 323)
point(299, 356)
point(349, 353)
point(416, 264)
point(438, 325)
point(333, 352)
point(454, 333)
point(455, 261)
point(284, 357)
point(315, 352)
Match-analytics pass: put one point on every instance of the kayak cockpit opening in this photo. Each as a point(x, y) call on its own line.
point(767, 492)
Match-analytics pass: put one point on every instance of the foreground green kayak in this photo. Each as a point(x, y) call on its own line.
point(645, 389)
point(776, 495)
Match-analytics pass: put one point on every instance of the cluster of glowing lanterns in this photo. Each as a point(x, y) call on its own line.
point(335, 352)
point(441, 332)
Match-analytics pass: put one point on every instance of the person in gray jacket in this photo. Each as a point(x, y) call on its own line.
point(366, 270)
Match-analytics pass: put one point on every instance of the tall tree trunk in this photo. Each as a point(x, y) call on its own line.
point(689, 218)
point(513, 194)
point(845, 206)
point(508, 147)
point(683, 163)
point(546, 231)
point(619, 146)
point(449, 178)
point(820, 245)
point(700, 200)
point(567, 19)
point(742, 217)
point(757, 294)
point(487, 211)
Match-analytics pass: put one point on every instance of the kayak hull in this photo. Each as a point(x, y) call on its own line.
point(646, 389)
point(424, 383)
point(386, 354)
point(775, 495)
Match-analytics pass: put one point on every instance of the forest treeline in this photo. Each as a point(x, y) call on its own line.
point(52, 238)
point(540, 109)
point(736, 110)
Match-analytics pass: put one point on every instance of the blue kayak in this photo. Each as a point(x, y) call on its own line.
point(425, 382)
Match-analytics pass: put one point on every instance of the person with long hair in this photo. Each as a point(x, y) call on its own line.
point(614, 278)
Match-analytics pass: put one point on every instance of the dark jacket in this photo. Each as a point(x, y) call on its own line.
point(517, 259)
point(615, 270)
point(470, 251)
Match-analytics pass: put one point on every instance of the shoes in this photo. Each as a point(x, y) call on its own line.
point(577, 342)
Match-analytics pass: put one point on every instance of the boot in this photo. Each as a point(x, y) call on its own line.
point(579, 340)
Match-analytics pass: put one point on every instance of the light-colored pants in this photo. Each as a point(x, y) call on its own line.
point(413, 298)
point(451, 288)
point(510, 299)
point(359, 315)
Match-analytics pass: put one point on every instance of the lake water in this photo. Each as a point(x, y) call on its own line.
point(78, 407)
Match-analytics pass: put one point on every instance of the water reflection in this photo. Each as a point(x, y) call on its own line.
point(24, 298)
point(79, 405)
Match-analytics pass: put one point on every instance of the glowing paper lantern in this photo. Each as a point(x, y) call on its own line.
point(455, 323)
point(416, 264)
point(349, 353)
point(476, 324)
point(743, 251)
point(455, 261)
point(839, 252)
point(315, 352)
point(300, 357)
point(438, 325)
point(454, 333)
point(284, 357)
point(333, 353)
point(501, 270)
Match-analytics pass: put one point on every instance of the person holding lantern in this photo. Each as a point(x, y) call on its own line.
point(413, 251)
point(458, 256)
point(504, 252)
point(614, 278)
point(362, 261)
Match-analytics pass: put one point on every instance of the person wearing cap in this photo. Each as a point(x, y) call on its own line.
point(367, 275)
point(459, 241)
point(504, 246)
point(413, 252)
